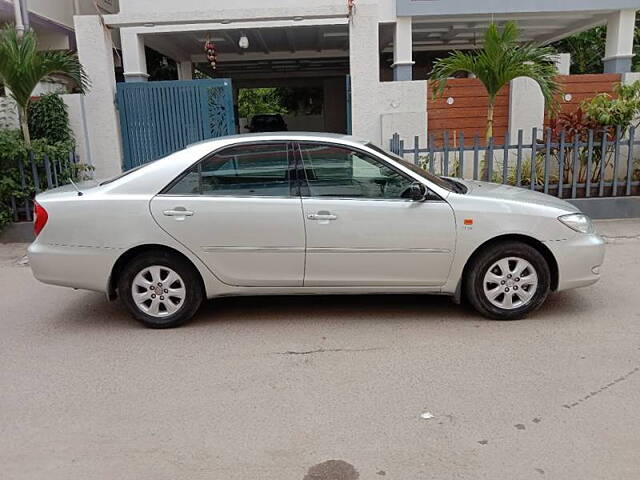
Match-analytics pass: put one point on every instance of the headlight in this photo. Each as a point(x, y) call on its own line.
point(578, 222)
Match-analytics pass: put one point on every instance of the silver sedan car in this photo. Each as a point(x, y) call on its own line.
point(305, 213)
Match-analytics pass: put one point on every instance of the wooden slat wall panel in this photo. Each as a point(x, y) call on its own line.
point(468, 113)
point(584, 87)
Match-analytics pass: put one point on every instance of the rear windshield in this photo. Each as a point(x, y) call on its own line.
point(124, 174)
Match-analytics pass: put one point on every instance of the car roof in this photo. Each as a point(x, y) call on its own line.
point(280, 136)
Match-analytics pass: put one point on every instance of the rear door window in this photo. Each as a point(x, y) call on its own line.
point(244, 170)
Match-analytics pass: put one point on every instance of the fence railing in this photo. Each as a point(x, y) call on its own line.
point(593, 163)
point(36, 175)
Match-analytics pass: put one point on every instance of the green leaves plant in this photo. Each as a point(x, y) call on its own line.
point(13, 150)
point(501, 59)
point(608, 111)
point(49, 119)
point(22, 66)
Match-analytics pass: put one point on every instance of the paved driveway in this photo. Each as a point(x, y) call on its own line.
point(323, 388)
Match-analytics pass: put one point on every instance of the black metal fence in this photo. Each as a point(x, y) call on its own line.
point(593, 163)
point(36, 175)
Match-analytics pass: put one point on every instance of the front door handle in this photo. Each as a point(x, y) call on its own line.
point(322, 216)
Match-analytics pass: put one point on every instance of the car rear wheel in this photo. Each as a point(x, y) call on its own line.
point(160, 290)
point(507, 281)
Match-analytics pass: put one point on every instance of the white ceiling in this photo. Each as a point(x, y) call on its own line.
point(326, 47)
point(261, 40)
point(465, 31)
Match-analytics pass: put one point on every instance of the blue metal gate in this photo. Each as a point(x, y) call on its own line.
point(158, 118)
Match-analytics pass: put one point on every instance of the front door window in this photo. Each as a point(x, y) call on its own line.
point(334, 171)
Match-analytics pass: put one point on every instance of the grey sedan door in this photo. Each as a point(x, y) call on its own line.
point(238, 212)
point(363, 230)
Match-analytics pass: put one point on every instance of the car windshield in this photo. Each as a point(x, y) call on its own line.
point(449, 185)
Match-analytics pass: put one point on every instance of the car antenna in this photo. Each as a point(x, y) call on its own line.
point(76, 187)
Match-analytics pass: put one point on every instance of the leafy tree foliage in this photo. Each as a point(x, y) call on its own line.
point(298, 100)
point(49, 119)
point(587, 49)
point(254, 101)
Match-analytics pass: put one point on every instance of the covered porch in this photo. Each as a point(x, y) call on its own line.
point(424, 32)
point(307, 59)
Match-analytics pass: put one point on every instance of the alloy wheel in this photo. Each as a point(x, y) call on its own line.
point(510, 283)
point(158, 291)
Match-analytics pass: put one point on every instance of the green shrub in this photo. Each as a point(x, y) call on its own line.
point(525, 177)
point(13, 149)
point(49, 119)
point(621, 111)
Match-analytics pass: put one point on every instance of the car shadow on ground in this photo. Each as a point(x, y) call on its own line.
point(91, 310)
point(325, 307)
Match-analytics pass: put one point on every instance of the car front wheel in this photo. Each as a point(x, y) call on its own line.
point(507, 281)
point(160, 290)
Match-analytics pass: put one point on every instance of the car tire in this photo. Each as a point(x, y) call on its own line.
point(156, 304)
point(507, 281)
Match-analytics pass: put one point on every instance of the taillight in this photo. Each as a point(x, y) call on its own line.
point(40, 217)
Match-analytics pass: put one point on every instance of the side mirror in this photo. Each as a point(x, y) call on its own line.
point(417, 192)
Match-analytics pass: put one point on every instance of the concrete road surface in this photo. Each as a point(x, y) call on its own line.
point(323, 388)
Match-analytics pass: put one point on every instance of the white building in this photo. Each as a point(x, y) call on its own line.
point(385, 47)
point(52, 20)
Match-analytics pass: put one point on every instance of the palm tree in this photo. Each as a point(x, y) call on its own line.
point(22, 66)
point(500, 60)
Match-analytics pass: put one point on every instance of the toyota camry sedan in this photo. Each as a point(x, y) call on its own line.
point(305, 213)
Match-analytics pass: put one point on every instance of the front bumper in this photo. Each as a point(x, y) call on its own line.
point(579, 259)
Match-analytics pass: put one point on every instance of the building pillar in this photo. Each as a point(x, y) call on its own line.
point(95, 52)
point(185, 70)
point(526, 108)
point(563, 63)
point(619, 48)
point(134, 59)
point(380, 109)
point(364, 61)
point(403, 50)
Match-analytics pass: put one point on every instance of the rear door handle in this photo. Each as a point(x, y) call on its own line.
point(178, 212)
point(322, 216)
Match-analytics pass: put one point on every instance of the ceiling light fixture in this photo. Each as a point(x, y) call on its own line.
point(243, 42)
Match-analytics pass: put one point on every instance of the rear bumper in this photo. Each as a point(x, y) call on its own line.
point(72, 266)
point(579, 260)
